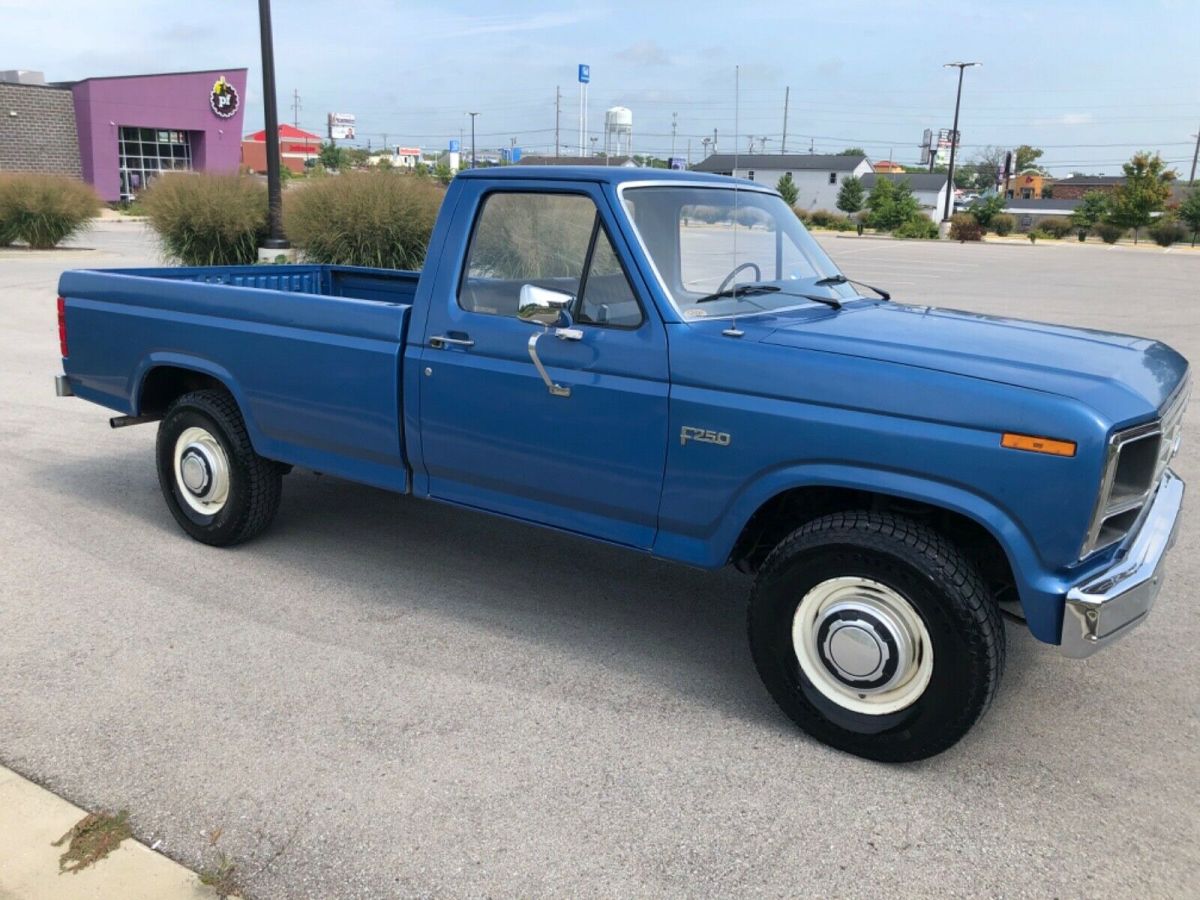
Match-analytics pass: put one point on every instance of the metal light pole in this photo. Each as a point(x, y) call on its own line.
point(472, 115)
point(961, 66)
point(276, 240)
point(1195, 157)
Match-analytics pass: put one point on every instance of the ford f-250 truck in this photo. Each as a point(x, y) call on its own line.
point(669, 362)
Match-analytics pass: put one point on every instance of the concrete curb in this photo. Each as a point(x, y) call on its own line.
point(31, 818)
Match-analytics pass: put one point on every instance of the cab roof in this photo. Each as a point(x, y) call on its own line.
point(604, 174)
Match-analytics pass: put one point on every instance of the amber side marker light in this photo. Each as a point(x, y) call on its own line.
point(1037, 444)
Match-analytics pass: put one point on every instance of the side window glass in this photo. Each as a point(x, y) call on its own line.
point(608, 298)
point(525, 238)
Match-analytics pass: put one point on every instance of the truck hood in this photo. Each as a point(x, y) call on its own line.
point(1121, 377)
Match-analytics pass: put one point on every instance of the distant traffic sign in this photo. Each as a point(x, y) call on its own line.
point(585, 73)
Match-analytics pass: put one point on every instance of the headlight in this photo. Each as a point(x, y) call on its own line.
point(1136, 460)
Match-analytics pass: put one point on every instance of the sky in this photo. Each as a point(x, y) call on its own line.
point(1091, 83)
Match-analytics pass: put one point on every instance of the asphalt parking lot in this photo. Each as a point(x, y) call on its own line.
point(383, 697)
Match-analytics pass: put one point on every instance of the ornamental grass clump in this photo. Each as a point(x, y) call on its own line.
point(208, 220)
point(379, 219)
point(44, 210)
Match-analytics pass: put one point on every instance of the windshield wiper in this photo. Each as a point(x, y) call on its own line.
point(739, 290)
point(817, 298)
point(842, 279)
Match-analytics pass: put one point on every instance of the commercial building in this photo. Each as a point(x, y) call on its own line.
point(296, 147)
point(930, 190)
point(818, 177)
point(120, 133)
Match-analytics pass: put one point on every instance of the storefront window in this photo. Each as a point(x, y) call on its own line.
point(145, 152)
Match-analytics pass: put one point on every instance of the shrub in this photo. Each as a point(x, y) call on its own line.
point(918, 227)
point(965, 227)
point(821, 217)
point(985, 209)
point(1109, 233)
point(44, 210)
point(1003, 224)
point(208, 220)
point(1055, 226)
point(364, 219)
point(1167, 231)
point(891, 203)
point(801, 214)
point(1035, 234)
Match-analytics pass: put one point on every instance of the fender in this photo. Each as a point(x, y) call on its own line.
point(160, 359)
point(1041, 591)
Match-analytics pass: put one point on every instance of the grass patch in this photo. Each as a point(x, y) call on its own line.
point(91, 839)
point(207, 220)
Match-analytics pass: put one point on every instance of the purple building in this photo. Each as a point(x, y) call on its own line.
point(129, 129)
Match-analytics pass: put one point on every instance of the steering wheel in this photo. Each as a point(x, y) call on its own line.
point(732, 275)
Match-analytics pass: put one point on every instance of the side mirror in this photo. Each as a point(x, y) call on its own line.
point(543, 306)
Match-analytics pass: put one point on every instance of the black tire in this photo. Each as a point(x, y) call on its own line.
point(963, 623)
point(254, 483)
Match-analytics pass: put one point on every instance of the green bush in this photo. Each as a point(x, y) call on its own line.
point(1167, 231)
point(919, 227)
point(208, 220)
point(1055, 226)
point(364, 219)
point(821, 217)
point(1003, 224)
point(965, 227)
point(1037, 233)
point(985, 209)
point(44, 210)
point(801, 214)
point(1109, 233)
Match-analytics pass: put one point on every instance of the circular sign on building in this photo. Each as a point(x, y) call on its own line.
point(223, 99)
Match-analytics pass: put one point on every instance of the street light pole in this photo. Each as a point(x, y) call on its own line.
point(472, 115)
point(1195, 157)
point(961, 66)
point(275, 240)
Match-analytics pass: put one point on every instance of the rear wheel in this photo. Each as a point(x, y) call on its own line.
point(876, 636)
point(218, 489)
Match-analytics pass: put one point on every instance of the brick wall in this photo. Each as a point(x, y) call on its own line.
point(41, 137)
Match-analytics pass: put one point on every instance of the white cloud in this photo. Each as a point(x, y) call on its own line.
point(645, 53)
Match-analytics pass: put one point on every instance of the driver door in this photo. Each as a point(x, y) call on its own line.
point(586, 451)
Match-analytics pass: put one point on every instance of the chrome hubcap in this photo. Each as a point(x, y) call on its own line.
point(201, 471)
point(862, 645)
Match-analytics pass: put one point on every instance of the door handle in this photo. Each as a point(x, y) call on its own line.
point(442, 342)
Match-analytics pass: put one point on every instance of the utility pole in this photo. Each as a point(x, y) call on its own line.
point(296, 108)
point(705, 142)
point(762, 144)
point(1195, 156)
point(714, 141)
point(593, 138)
point(962, 67)
point(276, 239)
point(674, 125)
point(472, 115)
point(557, 114)
point(689, 153)
point(750, 138)
point(787, 92)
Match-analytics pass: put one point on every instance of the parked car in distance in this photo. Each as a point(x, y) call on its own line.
point(669, 362)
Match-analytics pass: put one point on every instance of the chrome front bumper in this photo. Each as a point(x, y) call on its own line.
point(1110, 604)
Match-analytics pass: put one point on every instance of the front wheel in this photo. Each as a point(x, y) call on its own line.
point(876, 636)
point(218, 489)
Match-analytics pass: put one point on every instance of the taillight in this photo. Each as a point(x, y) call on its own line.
point(62, 326)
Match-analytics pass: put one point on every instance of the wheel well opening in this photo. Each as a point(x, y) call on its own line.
point(164, 384)
point(786, 512)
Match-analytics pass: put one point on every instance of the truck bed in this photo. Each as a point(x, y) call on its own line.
point(312, 353)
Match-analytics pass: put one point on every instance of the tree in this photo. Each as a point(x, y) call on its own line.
point(987, 208)
point(787, 189)
point(443, 173)
point(853, 151)
point(1189, 212)
point(332, 156)
point(1026, 157)
point(850, 195)
point(891, 203)
point(1091, 211)
point(1146, 190)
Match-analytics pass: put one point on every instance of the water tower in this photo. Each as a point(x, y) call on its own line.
point(618, 132)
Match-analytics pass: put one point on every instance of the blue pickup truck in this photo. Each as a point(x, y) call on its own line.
point(669, 362)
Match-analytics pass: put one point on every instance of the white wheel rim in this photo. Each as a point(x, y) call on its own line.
point(201, 471)
point(862, 645)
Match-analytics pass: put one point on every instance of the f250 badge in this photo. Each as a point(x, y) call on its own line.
point(704, 435)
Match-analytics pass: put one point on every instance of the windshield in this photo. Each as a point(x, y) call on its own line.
point(706, 241)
